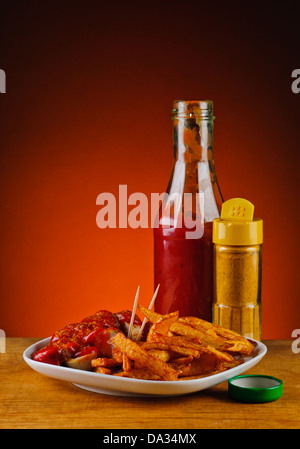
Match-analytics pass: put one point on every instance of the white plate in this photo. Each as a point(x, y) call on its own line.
point(122, 386)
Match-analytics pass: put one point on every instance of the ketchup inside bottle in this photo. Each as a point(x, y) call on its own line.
point(184, 266)
point(183, 269)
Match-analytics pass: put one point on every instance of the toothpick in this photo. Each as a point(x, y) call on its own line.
point(149, 308)
point(133, 312)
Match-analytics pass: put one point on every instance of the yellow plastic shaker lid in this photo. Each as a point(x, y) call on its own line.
point(236, 226)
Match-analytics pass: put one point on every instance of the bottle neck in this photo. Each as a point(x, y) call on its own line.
point(193, 140)
point(193, 171)
point(193, 131)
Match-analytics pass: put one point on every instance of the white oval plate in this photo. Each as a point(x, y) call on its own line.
point(122, 386)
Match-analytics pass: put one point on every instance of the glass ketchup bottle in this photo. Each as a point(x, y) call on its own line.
point(183, 249)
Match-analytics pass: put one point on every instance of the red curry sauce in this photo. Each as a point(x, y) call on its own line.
point(92, 334)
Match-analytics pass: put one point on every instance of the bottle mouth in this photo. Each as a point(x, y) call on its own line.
point(193, 109)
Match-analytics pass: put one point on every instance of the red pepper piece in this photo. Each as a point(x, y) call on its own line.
point(49, 354)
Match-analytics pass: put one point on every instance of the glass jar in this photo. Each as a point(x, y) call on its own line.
point(237, 241)
point(183, 251)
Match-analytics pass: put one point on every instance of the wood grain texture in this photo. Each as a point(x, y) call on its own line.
point(31, 400)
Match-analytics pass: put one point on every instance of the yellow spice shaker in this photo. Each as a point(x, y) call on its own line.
point(237, 239)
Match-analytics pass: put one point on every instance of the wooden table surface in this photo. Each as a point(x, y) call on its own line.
point(29, 400)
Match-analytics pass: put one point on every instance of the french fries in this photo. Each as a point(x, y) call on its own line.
point(176, 348)
point(218, 336)
point(136, 353)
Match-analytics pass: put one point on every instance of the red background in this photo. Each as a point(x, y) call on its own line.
point(88, 107)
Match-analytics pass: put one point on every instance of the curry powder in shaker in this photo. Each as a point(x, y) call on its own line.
point(237, 239)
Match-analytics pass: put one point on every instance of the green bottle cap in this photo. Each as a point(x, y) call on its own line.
point(255, 388)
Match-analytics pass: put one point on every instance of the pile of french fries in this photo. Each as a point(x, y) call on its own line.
point(176, 348)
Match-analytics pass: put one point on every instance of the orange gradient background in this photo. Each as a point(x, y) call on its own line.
point(88, 107)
